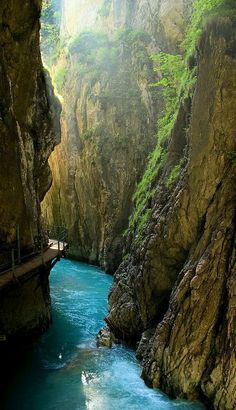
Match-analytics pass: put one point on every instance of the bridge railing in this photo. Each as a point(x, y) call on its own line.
point(15, 256)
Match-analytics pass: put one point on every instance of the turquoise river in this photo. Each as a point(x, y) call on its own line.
point(64, 370)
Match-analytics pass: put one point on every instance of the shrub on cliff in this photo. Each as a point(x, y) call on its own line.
point(50, 30)
point(86, 42)
point(177, 81)
point(105, 8)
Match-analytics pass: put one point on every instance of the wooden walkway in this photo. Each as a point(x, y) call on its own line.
point(22, 271)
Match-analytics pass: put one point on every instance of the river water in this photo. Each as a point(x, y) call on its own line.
point(63, 370)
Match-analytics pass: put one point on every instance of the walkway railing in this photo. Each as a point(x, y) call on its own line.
point(54, 235)
point(58, 234)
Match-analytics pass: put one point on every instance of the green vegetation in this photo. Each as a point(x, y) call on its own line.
point(59, 78)
point(176, 82)
point(172, 70)
point(144, 218)
point(202, 9)
point(96, 53)
point(126, 256)
point(95, 56)
point(129, 37)
point(50, 30)
point(174, 174)
point(87, 133)
point(231, 155)
point(137, 41)
point(105, 8)
point(87, 42)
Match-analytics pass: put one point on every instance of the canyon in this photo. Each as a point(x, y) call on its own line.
point(141, 145)
point(187, 256)
point(108, 120)
point(174, 228)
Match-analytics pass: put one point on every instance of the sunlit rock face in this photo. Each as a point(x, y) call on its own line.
point(78, 15)
point(172, 20)
point(164, 19)
point(29, 128)
point(108, 123)
point(108, 129)
point(188, 250)
point(29, 123)
point(163, 15)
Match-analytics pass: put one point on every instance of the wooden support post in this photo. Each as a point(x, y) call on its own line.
point(18, 243)
point(13, 263)
point(32, 238)
point(41, 251)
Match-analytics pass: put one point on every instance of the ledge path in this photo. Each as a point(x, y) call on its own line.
point(25, 269)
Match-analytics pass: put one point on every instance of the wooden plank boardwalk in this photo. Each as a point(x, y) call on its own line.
point(21, 271)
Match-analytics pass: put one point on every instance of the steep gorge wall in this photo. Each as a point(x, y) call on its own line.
point(161, 18)
point(29, 123)
point(29, 127)
point(187, 252)
point(109, 121)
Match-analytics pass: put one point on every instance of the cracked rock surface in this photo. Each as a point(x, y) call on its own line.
point(29, 123)
point(179, 286)
point(29, 129)
point(108, 126)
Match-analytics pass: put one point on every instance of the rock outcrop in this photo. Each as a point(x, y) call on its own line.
point(176, 291)
point(29, 127)
point(105, 338)
point(109, 120)
point(29, 115)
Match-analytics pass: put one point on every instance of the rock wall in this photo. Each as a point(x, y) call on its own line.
point(188, 248)
point(29, 127)
point(158, 17)
point(78, 15)
point(108, 123)
point(29, 115)
point(25, 307)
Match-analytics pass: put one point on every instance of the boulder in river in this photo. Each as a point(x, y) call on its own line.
point(105, 338)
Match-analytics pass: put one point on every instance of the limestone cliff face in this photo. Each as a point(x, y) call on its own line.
point(188, 249)
point(108, 130)
point(109, 120)
point(29, 127)
point(165, 20)
point(78, 15)
point(28, 120)
point(161, 18)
